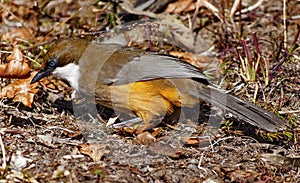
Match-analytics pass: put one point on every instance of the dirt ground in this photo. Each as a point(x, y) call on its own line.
point(45, 142)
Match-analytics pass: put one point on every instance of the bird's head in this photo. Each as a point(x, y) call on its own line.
point(62, 59)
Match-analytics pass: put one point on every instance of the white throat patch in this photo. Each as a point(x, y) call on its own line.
point(70, 72)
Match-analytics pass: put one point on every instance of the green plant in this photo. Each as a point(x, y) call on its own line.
point(253, 64)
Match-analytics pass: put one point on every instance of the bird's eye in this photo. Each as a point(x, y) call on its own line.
point(51, 63)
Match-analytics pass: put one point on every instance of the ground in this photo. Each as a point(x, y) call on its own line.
point(44, 142)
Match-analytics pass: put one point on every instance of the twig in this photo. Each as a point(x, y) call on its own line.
point(212, 8)
point(289, 112)
point(284, 25)
point(196, 12)
point(63, 22)
point(253, 7)
point(234, 8)
point(3, 153)
point(282, 60)
point(200, 167)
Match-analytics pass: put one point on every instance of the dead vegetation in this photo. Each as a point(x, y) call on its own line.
point(250, 48)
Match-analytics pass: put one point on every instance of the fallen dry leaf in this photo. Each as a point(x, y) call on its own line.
point(146, 138)
point(144, 127)
point(156, 131)
point(21, 90)
point(280, 160)
point(16, 66)
point(168, 150)
point(192, 140)
point(236, 175)
point(17, 32)
point(196, 60)
point(95, 151)
point(182, 6)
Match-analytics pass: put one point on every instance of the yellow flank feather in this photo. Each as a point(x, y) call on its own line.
point(147, 102)
point(147, 99)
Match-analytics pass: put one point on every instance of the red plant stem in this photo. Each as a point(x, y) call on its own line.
point(246, 51)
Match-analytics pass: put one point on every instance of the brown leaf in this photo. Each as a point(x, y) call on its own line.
point(280, 160)
point(182, 6)
point(143, 127)
point(17, 66)
point(25, 97)
point(197, 60)
point(17, 32)
point(146, 138)
point(21, 90)
point(126, 130)
point(192, 140)
point(156, 131)
point(95, 151)
point(168, 150)
point(73, 134)
point(239, 175)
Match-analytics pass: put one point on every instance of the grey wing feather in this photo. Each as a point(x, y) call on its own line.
point(153, 66)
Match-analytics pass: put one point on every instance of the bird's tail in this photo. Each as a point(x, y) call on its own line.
point(245, 111)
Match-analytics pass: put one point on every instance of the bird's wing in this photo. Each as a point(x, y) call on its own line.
point(149, 66)
point(122, 65)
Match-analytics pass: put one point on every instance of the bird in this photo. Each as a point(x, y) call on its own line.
point(148, 84)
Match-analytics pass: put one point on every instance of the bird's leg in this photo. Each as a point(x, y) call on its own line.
point(128, 123)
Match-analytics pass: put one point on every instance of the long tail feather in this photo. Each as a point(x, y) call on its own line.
point(245, 111)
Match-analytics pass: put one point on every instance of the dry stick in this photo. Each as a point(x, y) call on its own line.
point(240, 20)
point(234, 8)
point(281, 61)
point(27, 57)
point(284, 25)
point(200, 167)
point(190, 22)
point(195, 15)
point(253, 7)
point(289, 112)
point(295, 39)
point(255, 93)
point(3, 153)
point(213, 9)
point(59, 25)
point(149, 37)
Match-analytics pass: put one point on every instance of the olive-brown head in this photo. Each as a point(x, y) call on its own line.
point(62, 59)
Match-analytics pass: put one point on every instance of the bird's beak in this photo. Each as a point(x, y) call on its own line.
point(41, 74)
